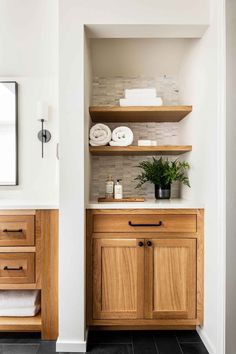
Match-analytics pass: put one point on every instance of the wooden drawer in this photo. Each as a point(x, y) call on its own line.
point(145, 223)
point(17, 268)
point(17, 230)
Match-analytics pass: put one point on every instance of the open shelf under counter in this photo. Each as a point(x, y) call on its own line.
point(141, 114)
point(22, 324)
point(139, 150)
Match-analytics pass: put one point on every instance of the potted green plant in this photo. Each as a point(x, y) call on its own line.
point(162, 173)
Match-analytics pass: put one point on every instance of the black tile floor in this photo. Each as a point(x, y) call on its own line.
point(113, 342)
point(145, 342)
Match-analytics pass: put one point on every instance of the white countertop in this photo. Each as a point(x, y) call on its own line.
point(148, 204)
point(25, 204)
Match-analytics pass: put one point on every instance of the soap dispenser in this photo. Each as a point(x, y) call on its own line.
point(109, 187)
point(118, 190)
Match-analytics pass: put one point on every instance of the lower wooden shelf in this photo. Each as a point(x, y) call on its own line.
point(140, 150)
point(21, 324)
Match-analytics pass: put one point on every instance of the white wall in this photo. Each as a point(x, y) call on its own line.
point(231, 172)
point(127, 57)
point(73, 15)
point(28, 55)
point(202, 84)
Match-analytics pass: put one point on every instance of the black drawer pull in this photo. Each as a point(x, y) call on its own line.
point(141, 244)
point(6, 230)
point(131, 224)
point(9, 268)
point(149, 243)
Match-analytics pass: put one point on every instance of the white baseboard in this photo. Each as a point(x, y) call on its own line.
point(208, 344)
point(70, 346)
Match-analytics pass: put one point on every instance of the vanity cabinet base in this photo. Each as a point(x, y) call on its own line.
point(147, 271)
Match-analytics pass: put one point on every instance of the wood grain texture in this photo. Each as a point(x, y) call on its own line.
point(116, 114)
point(120, 223)
point(29, 286)
point(23, 224)
point(171, 279)
point(21, 324)
point(182, 254)
point(156, 211)
point(21, 268)
point(145, 322)
point(139, 150)
point(47, 224)
point(127, 200)
point(117, 279)
point(14, 212)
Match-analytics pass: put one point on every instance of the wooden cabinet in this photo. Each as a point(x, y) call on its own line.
point(118, 284)
point(29, 260)
point(170, 278)
point(17, 268)
point(145, 275)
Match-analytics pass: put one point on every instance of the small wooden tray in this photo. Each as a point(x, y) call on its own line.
point(127, 200)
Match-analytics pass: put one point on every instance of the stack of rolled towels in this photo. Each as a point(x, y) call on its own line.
point(141, 97)
point(101, 135)
point(19, 303)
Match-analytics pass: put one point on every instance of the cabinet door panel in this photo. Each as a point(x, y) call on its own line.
point(118, 280)
point(170, 273)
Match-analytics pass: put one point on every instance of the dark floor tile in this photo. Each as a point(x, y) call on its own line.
point(111, 349)
point(19, 348)
point(18, 337)
point(143, 343)
point(47, 347)
point(193, 348)
point(121, 337)
point(188, 337)
point(167, 343)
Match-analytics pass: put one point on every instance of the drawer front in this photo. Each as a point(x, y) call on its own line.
point(17, 268)
point(145, 223)
point(17, 230)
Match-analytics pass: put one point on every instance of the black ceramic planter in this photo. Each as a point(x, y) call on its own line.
point(162, 192)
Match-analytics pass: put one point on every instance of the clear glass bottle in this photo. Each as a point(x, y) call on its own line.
point(109, 187)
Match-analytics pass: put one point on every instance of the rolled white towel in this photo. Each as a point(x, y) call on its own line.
point(125, 102)
point(100, 135)
point(18, 298)
point(122, 136)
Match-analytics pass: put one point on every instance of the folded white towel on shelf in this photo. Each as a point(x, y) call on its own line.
point(20, 311)
point(142, 142)
point(125, 102)
point(100, 135)
point(19, 298)
point(139, 93)
point(122, 136)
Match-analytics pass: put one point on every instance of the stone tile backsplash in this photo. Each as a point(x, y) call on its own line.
point(108, 91)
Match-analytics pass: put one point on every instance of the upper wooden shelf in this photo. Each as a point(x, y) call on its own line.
point(139, 150)
point(113, 114)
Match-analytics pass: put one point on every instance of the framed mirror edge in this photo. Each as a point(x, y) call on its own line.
point(16, 135)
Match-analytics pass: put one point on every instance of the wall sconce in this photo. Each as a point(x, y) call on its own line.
point(42, 115)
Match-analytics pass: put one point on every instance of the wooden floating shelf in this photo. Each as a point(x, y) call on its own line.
point(114, 114)
point(139, 150)
point(23, 324)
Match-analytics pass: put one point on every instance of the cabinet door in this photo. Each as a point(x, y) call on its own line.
point(118, 278)
point(170, 279)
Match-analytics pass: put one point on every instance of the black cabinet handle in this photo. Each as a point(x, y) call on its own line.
point(158, 224)
point(9, 268)
point(140, 244)
point(149, 243)
point(6, 230)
